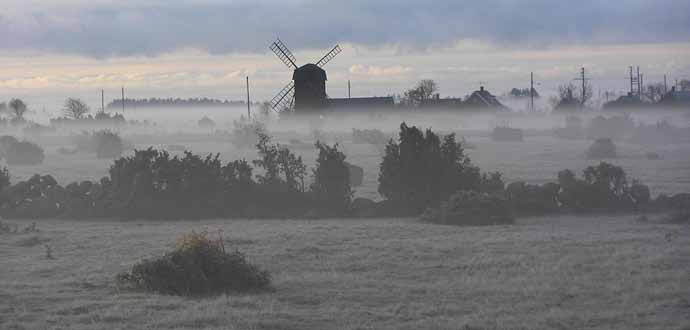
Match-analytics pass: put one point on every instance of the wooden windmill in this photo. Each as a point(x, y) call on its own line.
point(307, 90)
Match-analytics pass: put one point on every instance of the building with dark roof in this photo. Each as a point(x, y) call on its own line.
point(628, 101)
point(482, 99)
point(361, 103)
point(676, 99)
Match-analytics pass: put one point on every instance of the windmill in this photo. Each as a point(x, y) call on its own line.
point(307, 90)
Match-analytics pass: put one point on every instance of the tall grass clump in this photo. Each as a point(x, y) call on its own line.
point(197, 266)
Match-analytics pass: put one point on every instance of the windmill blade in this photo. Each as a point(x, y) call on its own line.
point(329, 56)
point(284, 54)
point(284, 98)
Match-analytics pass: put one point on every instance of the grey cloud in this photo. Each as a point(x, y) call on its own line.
point(106, 30)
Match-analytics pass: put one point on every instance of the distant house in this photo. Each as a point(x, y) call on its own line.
point(676, 99)
point(482, 99)
point(361, 103)
point(437, 103)
point(628, 101)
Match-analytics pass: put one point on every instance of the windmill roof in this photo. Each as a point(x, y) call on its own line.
point(309, 72)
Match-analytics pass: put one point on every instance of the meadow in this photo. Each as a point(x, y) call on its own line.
point(597, 272)
point(554, 272)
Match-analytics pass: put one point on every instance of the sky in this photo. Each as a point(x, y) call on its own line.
point(51, 50)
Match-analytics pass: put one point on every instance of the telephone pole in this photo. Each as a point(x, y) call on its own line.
point(631, 81)
point(249, 113)
point(348, 90)
point(665, 86)
point(584, 79)
point(123, 100)
point(531, 92)
point(639, 87)
point(102, 100)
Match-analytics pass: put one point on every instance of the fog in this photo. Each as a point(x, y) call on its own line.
point(535, 159)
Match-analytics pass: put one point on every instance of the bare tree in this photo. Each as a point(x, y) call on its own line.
point(655, 91)
point(685, 85)
point(423, 91)
point(572, 92)
point(18, 108)
point(75, 108)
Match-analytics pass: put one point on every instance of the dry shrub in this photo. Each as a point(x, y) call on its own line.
point(197, 266)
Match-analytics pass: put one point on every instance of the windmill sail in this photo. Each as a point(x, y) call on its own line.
point(284, 54)
point(329, 56)
point(283, 99)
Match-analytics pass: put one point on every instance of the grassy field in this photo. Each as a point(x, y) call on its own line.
point(569, 272)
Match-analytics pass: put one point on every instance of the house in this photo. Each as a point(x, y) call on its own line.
point(628, 101)
point(482, 99)
point(676, 99)
point(437, 103)
point(360, 104)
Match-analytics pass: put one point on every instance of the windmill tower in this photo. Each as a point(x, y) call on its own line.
point(307, 90)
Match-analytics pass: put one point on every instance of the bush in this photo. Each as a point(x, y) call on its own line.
point(356, 174)
point(603, 188)
point(197, 266)
point(331, 187)
point(281, 186)
point(419, 171)
point(471, 208)
point(104, 143)
point(501, 133)
point(108, 144)
point(368, 136)
point(615, 127)
point(245, 134)
point(23, 153)
point(151, 184)
point(602, 148)
point(206, 122)
point(527, 199)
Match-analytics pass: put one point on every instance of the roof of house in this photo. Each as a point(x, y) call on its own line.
point(483, 98)
point(442, 103)
point(361, 103)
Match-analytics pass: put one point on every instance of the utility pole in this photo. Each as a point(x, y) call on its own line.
point(531, 92)
point(631, 81)
point(123, 100)
point(102, 100)
point(639, 88)
point(665, 87)
point(349, 90)
point(249, 113)
point(584, 79)
point(641, 85)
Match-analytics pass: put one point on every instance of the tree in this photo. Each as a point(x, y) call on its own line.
point(421, 169)
point(331, 187)
point(3, 107)
point(572, 92)
point(277, 159)
point(655, 92)
point(423, 91)
point(75, 108)
point(685, 85)
point(18, 108)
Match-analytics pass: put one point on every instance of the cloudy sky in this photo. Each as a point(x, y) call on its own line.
point(51, 49)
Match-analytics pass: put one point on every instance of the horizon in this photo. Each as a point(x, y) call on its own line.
point(53, 50)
